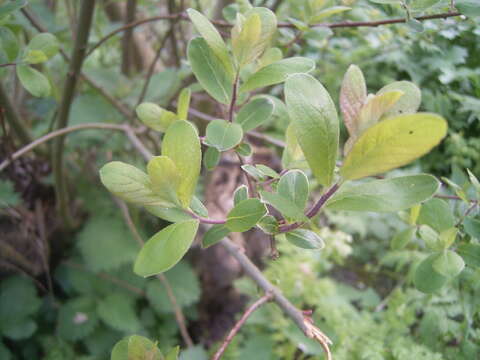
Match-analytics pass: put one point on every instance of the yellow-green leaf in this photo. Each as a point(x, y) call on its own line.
point(155, 117)
point(184, 103)
point(182, 145)
point(353, 95)
point(164, 178)
point(375, 108)
point(408, 103)
point(392, 143)
point(245, 35)
point(315, 119)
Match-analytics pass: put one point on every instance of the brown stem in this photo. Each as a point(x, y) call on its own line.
point(264, 299)
point(78, 54)
point(127, 41)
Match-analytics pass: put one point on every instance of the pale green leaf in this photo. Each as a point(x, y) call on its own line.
point(171, 214)
point(402, 239)
point(141, 348)
point(468, 7)
point(223, 135)
point(215, 234)
point(315, 119)
point(11, 6)
point(198, 208)
point(385, 195)
point(426, 278)
point(211, 158)
point(292, 156)
point(392, 143)
point(213, 38)
point(182, 145)
point(165, 179)
point(46, 43)
point(240, 194)
point(245, 215)
point(155, 117)
point(267, 171)
point(166, 248)
point(245, 36)
point(277, 72)
point(210, 71)
point(430, 236)
point(268, 224)
point(353, 94)
point(255, 113)
point(244, 149)
point(470, 253)
point(408, 103)
point(448, 264)
point(448, 236)
point(284, 205)
point(437, 214)
point(33, 81)
point(305, 239)
point(34, 57)
point(184, 103)
point(294, 186)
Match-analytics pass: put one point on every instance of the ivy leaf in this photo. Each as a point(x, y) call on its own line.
point(305, 239)
point(213, 38)
point(155, 117)
point(165, 179)
point(223, 135)
point(448, 264)
point(77, 319)
point(33, 81)
point(402, 239)
point(408, 103)
point(294, 186)
point(277, 72)
point(353, 94)
point(392, 143)
point(284, 205)
point(210, 71)
point(245, 215)
point(255, 113)
point(426, 278)
point(386, 195)
point(166, 248)
point(316, 124)
point(128, 183)
point(46, 43)
point(186, 155)
point(214, 235)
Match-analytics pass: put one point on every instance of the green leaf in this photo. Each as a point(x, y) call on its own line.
point(448, 264)
point(116, 247)
point(408, 103)
point(211, 35)
point(268, 224)
point(198, 208)
point(475, 182)
point(165, 179)
point(46, 43)
point(353, 95)
point(430, 236)
point(447, 237)
point(245, 215)
point(8, 196)
point(267, 171)
point(155, 117)
point(223, 135)
point(118, 312)
point(182, 145)
point(9, 43)
point(184, 103)
point(210, 71)
point(166, 248)
point(426, 278)
point(255, 113)
point(253, 172)
point(244, 149)
point(128, 183)
point(173, 353)
point(77, 319)
point(240, 194)
point(141, 348)
point(402, 239)
point(375, 107)
point(415, 25)
point(34, 57)
point(185, 286)
point(392, 143)
point(11, 7)
point(172, 214)
point(386, 195)
point(33, 81)
point(327, 12)
point(245, 34)
point(292, 154)
point(285, 205)
point(294, 186)
point(120, 350)
point(437, 214)
point(470, 253)
point(305, 239)
point(472, 227)
point(315, 119)
point(277, 72)
point(211, 158)
point(386, 1)
point(468, 7)
point(214, 235)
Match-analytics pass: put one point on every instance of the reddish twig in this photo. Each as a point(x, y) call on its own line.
point(264, 299)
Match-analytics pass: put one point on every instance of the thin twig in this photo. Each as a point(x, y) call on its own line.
point(264, 299)
point(78, 54)
point(170, 294)
point(206, 220)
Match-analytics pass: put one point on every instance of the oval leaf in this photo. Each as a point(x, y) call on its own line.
point(210, 71)
point(245, 215)
point(294, 186)
point(277, 72)
point(402, 239)
point(426, 278)
point(305, 239)
point(182, 145)
point(408, 103)
point(33, 81)
point(284, 205)
point(449, 264)
point(315, 119)
point(211, 158)
point(223, 135)
point(166, 248)
point(155, 117)
point(254, 113)
point(46, 43)
point(353, 95)
point(386, 195)
point(392, 143)
point(214, 235)
point(164, 178)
